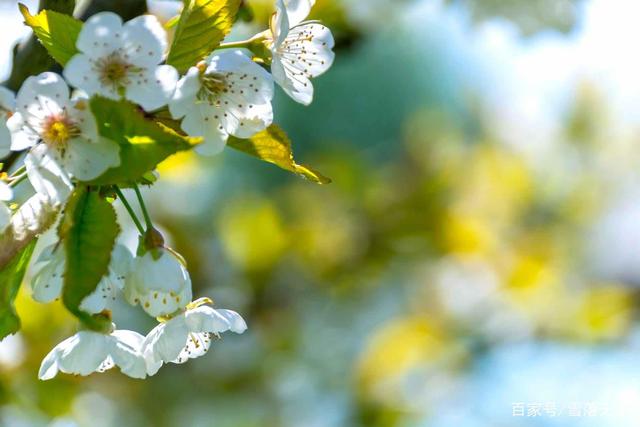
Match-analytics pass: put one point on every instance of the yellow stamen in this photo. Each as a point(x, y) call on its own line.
point(58, 130)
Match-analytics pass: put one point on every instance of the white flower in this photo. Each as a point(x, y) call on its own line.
point(118, 60)
point(232, 96)
point(66, 128)
point(165, 10)
point(188, 335)
point(7, 105)
point(87, 352)
point(47, 281)
point(47, 176)
point(300, 50)
point(160, 284)
point(6, 194)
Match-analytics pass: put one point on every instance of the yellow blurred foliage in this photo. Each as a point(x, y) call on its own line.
point(467, 234)
point(33, 314)
point(396, 348)
point(252, 233)
point(602, 313)
point(182, 167)
point(494, 183)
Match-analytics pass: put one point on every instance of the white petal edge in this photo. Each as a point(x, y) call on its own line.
point(100, 35)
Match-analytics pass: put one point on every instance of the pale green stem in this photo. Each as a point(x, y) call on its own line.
point(129, 209)
point(235, 45)
point(22, 169)
point(15, 180)
point(147, 218)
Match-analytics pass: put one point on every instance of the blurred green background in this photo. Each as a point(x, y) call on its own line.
point(476, 255)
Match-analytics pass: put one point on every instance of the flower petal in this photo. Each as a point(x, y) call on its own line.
point(42, 95)
point(5, 139)
point(88, 160)
point(306, 53)
point(121, 262)
point(101, 35)
point(49, 366)
point(127, 355)
point(203, 122)
point(166, 341)
point(5, 216)
point(161, 286)
point(79, 73)
point(298, 10)
point(242, 108)
point(280, 23)
point(154, 89)
point(6, 193)
point(184, 98)
point(46, 175)
point(246, 74)
point(296, 85)
point(47, 281)
point(102, 298)
point(260, 119)
point(207, 319)
point(22, 137)
point(165, 273)
point(197, 345)
point(157, 303)
point(145, 41)
point(84, 353)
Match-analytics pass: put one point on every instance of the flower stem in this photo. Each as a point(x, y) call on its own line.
point(147, 218)
point(232, 45)
point(17, 179)
point(129, 209)
point(19, 171)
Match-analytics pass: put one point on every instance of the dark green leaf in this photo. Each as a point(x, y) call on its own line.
point(10, 279)
point(143, 142)
point(89, 230)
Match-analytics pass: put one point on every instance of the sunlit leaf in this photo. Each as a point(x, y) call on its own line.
point(10, 279)
point(88, 230)
point(143, 142)
point(56, 31)
point(274, 146)
point(202, 26)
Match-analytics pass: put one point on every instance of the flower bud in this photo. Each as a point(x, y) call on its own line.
point(159, 282)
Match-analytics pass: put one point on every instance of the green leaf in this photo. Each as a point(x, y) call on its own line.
point(202, 26)
point(143, 142)
point(10, 279)
point(56, 31)
point(89, 230)
point(274, 146)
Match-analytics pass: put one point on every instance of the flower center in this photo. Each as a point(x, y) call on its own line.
point(213, 85)
point(59, 129)
point(113, 70)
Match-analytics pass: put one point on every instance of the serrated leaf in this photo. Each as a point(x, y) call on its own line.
point(274, 146)
point(56, 31)
point(10, 279)
point(143, 142)
point(89, 234)
point(202, 26)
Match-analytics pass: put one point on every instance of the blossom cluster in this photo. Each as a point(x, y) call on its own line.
point(229, 93)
